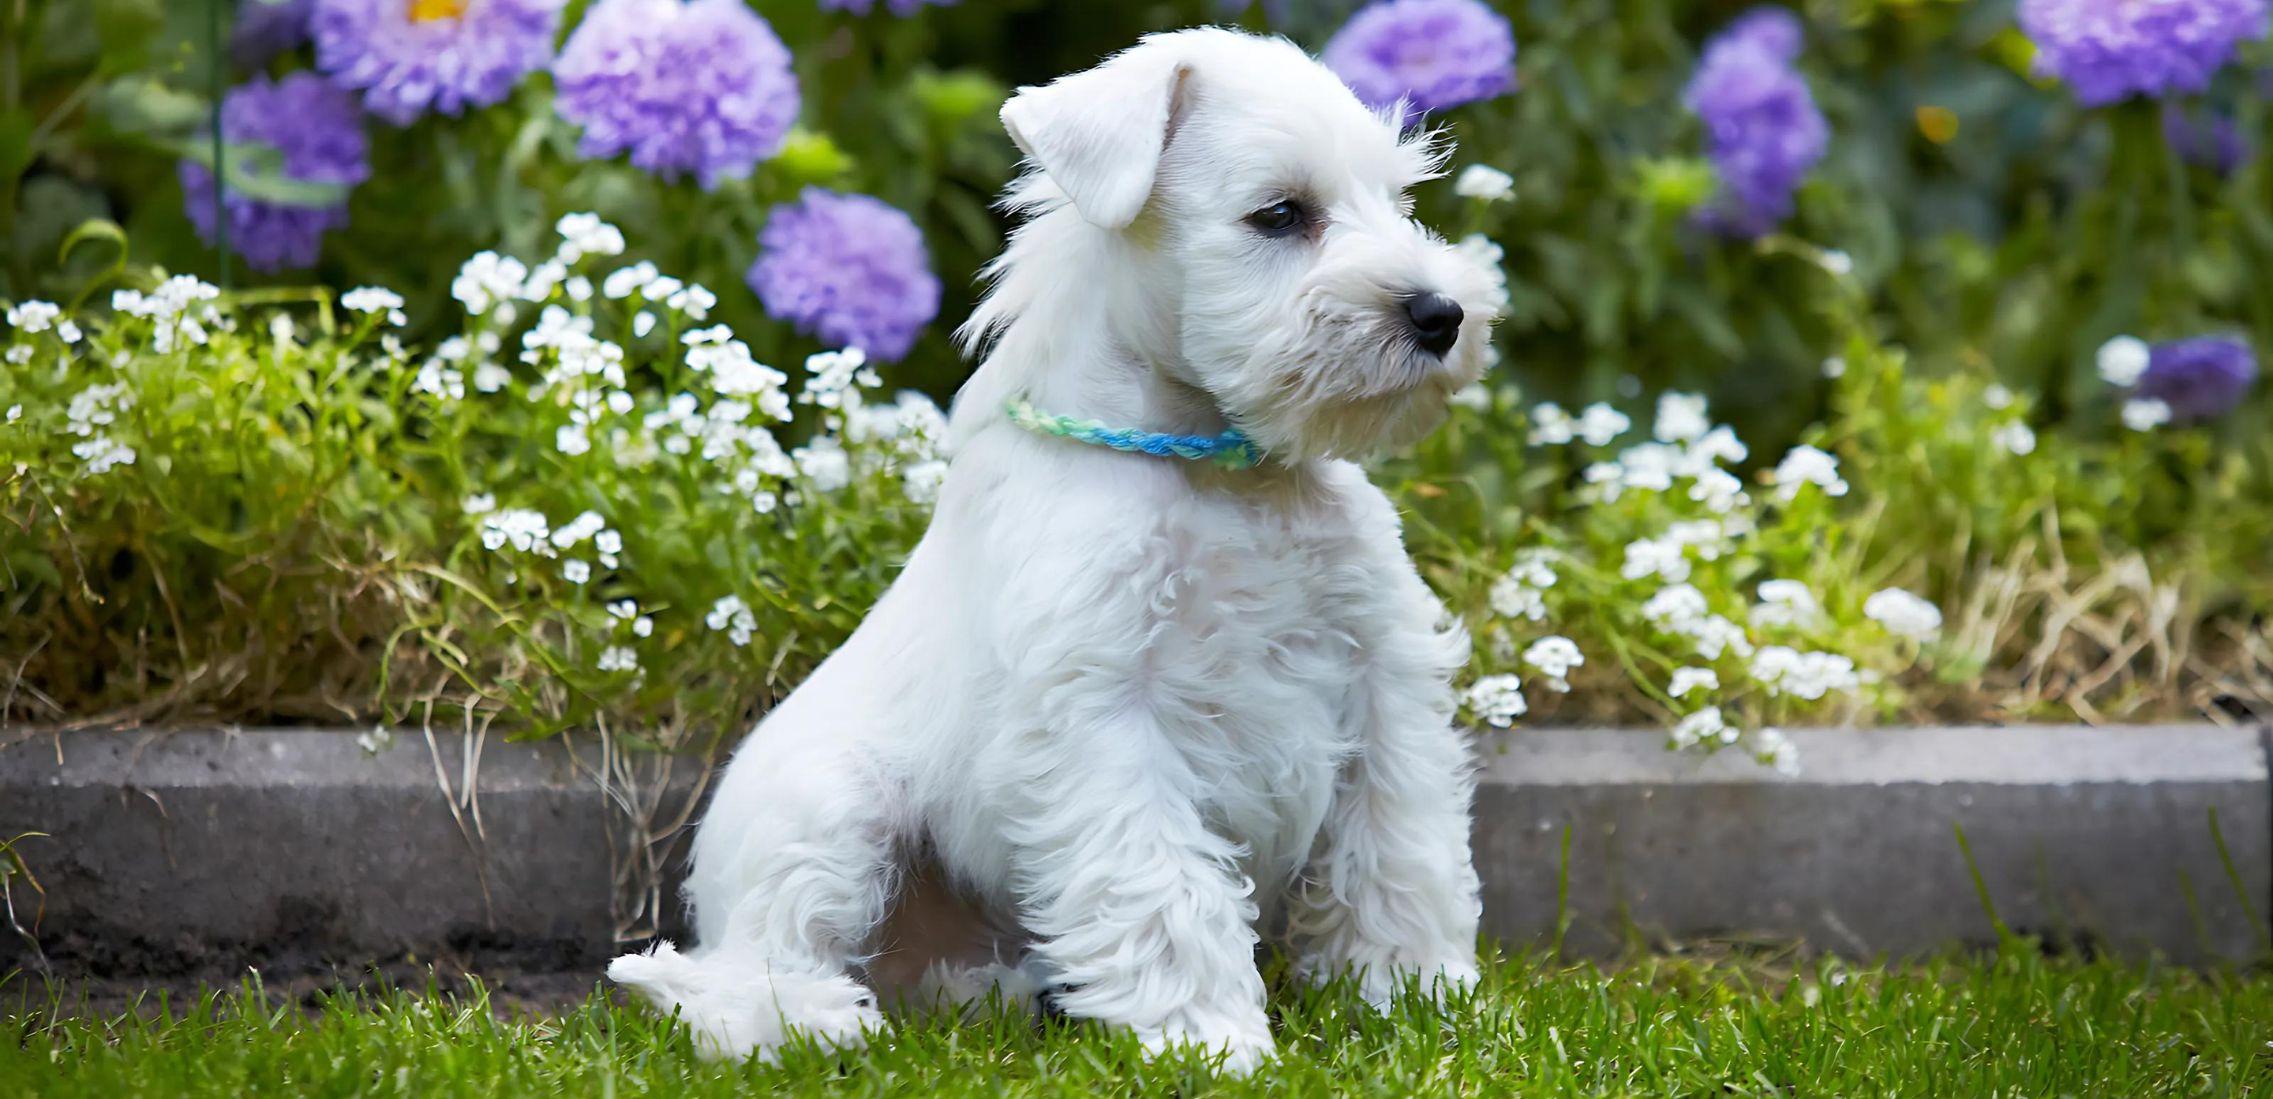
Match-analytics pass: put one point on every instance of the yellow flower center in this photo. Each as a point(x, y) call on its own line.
point(424, 11)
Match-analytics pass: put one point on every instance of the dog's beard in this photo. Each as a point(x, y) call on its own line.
point(1348, 381)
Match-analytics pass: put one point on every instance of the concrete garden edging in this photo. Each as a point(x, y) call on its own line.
point(200, 850)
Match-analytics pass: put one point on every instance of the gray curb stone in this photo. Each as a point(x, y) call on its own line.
point(197, 850)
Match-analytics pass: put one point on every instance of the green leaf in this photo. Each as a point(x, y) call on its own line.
point(257, 171)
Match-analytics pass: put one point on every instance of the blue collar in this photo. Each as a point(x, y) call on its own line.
point(1230, 450)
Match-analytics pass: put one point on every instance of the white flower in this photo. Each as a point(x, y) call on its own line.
point(375, 299)
point(19, 354)
point(102, 453)
point(1787, 671)
point(733, 616)
point(375, 741)
point(521, 528)
point(572, 440)
point(490, 377)
point(1497, 700)
point(1997, 396)
point(1518, 594)
point(1676, 607)
point(1806, 465)
point(1772, 747)
point(2123, 360)
point(1485, 182)
point(15, 413)
point(642, 626)
point(488, 281)
point(624, 609)
point(67, 332)
point(575, 571)
point(1838, 262)
point(1786, 603)
point(623, 282)
point(480, 503)
point(1719, 491)
point(33, 316)
point(579, 288)
point(618, 658)
point(95, 407)
point(1554, 657)
point(1680, 417)
point(1706, 726)
point(1686, 680)
point(584, 235)
point(1903, 614)
point(831, 375)
point(2015, 437)
point(1550, 425)
point(2145, 415)
point(1834, 367)
point(440, 381)
point(921, 481)
point(1714, 635)
point(585, 525)
point(1714, 447)
point(694, 301)
point(642, 323)
point(1655, 557)
point(1599, 424)
point(825, 464)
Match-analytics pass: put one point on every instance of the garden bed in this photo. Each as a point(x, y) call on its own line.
point(192, 852)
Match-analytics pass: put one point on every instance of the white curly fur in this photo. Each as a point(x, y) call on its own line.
point(1136, 711)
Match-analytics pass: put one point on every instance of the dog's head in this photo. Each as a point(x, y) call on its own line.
point(1289, 279)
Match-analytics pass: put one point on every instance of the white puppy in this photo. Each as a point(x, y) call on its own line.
point(1138, 709)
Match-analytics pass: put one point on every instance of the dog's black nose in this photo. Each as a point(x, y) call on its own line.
point(1436, 321)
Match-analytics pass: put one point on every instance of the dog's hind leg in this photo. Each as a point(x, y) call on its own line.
point(792, 872)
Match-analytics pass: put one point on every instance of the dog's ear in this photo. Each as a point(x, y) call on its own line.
point(1099, 134)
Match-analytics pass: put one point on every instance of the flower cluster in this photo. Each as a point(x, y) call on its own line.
point(849, 269)
point(1763, 131)
point(2110, 50)
point(314, 133)
point(2181, 381)
point(408, 57)
point(699, 87)
point(1427, 55)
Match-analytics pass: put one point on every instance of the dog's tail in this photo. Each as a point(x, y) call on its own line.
point(736, 1004)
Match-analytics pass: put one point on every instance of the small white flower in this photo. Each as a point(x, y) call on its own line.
point(624, 609)
point(618, 658)
point(733, 616)
point(1497, 700)
point(1599, 424)
point(1520, 592)
point(642, 626)
point(1772, 747)
point(521, 528)
point(1551, 426)
point(1664, 557)
point(584, 234)
point(579, 288)
point(1838, 263)
point(33, 316)
point(2123, 360)
point(572, 440)
point(488, 283)
point(1787, 604)
point(1806, 465)
point(921, 481)
point(67, 332)
point(1686, 680)
point(377, 740)
point(1706, 726)
point(1484, 182)
point(15, 413)
point(1676, 607)
point(2145, 414)
point(642, 323)
point(490, 377)
point(575, 571)
point(1554, 657)
point(1811, 675)
point(825, 464)
point(1903, 614)
point(1680, 417)
point(103, 453)
point(480, 503)
point(2015, 437)
point(19, 354)
point(1997, 396)
point(623, 282)
point(1835, 367)
point(375, 299)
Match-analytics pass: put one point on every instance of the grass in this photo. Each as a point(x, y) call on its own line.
point(2015, 1023)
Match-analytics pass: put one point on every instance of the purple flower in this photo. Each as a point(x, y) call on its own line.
point(1762, 129)
point(1432, 54)
point(411, 56)
point(316, 134)
point(2108, 50)
point(848, 269)
point(701, 86)
point(2213, 142)
point(863, 7)
point(265, 28)
point(2200, 379)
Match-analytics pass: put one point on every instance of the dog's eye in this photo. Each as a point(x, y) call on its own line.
point(1279, 219)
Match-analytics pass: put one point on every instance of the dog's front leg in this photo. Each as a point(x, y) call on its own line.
point(1390, 893)
point(1142, 915)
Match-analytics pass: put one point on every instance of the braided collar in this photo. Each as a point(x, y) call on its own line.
point(1230, 450)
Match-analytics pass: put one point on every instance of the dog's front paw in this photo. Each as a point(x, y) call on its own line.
point(1242, 1049)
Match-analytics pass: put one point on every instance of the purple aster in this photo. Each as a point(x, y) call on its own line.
point(848, 269)
point(701, 86)
point(898, 7)
point(2212, 142)
point(316, 134)
point(1762, 129)
point(2108, 50)
point(411, 56)
point(1432, 54)
point(2200, 379)
point(265, 28)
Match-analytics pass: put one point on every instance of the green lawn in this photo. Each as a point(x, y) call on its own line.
point(2018, 1025)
